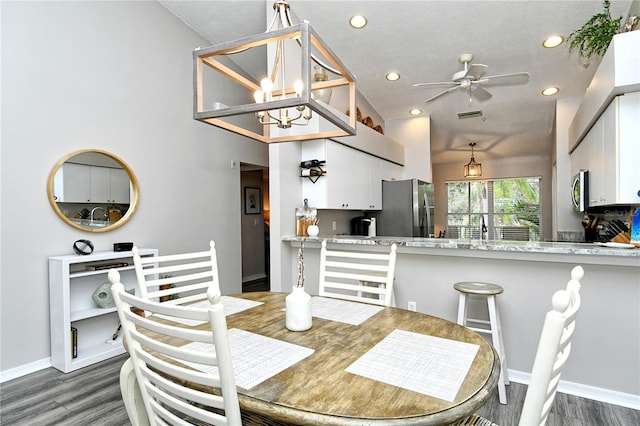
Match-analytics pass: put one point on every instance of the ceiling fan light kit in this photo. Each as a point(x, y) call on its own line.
point(278, 101)
point(472, 78)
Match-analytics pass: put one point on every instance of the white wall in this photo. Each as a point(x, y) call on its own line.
point(564, 217)
point(115, 76)
point(415, 134)
point(285, 192)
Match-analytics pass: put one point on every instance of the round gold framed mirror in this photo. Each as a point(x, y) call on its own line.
point(93, 190)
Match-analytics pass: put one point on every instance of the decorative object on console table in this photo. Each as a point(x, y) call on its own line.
point(123, 246)
point(83, 247)
point(103, 266)
point(298, 302)
point(102, 296)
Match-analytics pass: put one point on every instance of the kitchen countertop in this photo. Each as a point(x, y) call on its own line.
point(589, 249)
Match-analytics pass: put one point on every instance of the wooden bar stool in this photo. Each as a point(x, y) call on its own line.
point(492, 327)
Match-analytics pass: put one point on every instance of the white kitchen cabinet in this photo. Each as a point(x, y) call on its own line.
point(610, 151)
point(72, 282)
point(80, 183)
point(109, 185)
point(72, 183)
point(375, 183)
point(621, 152)
point(352, 181)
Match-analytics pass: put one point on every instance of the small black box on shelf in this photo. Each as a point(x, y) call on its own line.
point(122, 246)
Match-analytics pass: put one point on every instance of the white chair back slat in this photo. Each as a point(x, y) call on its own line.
point(150, 343)
point(355, 287)
point(357, 276)
point(553, 351)
point(177, 278)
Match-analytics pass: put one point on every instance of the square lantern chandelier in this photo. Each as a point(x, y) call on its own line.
point(283, 102)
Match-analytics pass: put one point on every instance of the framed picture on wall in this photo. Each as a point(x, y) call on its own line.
point(252, 202)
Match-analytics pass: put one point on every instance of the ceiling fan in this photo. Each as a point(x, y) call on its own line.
point(471, 78)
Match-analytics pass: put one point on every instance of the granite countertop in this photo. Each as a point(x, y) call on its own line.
point(493, 245)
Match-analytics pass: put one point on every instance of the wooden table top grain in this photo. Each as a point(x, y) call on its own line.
point(318, 390)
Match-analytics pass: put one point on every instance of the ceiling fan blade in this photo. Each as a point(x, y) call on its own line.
point(440, 83)
point(475, 71)
point(480, 94)
point(507, 79)
point(441, 94)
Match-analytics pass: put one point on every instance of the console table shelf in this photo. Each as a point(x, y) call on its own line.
point(71, 285)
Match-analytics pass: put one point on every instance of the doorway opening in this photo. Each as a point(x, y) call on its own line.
point(255, 209)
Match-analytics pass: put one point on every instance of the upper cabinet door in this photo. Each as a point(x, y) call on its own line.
point(100, 185)
point(352, 181)
point(120, 187)
point(75, 183)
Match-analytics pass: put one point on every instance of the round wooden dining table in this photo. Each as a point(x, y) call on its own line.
point(318, 390)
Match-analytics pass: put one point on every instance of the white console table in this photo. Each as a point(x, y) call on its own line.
point(72, 282)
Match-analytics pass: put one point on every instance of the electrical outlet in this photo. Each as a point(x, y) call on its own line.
point(333, 225)
point(411, 306)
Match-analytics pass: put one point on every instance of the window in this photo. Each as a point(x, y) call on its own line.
point(508, 209)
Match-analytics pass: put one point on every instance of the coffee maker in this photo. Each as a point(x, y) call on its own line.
point(360, 225)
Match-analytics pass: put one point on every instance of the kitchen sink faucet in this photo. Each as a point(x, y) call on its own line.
point(104, 212)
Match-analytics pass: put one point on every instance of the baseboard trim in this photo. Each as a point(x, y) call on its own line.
point(585, 391)
point(253, 278)
point(23, 370)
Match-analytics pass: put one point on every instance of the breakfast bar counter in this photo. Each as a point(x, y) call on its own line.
point(590, 253)
point(608, 326)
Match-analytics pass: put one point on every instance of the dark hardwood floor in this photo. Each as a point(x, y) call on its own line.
point(256, 285)
point(91, 396)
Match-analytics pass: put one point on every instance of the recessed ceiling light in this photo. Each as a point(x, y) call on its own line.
point(392, 76)
point(549, 91)
point(358, 21)
point(415, 111)
point(553, 41)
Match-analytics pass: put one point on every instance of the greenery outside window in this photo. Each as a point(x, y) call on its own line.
point(509, 209)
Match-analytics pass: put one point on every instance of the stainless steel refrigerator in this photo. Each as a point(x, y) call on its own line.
point(407, 209)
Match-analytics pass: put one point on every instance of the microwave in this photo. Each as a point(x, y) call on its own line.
point(580, 191)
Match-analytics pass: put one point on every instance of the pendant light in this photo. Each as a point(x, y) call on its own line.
point(283, 98)
point(472, 169)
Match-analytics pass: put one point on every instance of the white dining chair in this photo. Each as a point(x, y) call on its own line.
point(172, 401)
point(176, 278)
point(357, 275)
point(553, 350)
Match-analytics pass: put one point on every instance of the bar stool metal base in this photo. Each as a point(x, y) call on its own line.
point(492, 327)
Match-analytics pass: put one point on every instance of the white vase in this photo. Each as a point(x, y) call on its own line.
point(298, 310)
point(313, 230)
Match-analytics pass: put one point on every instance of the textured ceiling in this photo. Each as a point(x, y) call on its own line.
point(422, 40)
